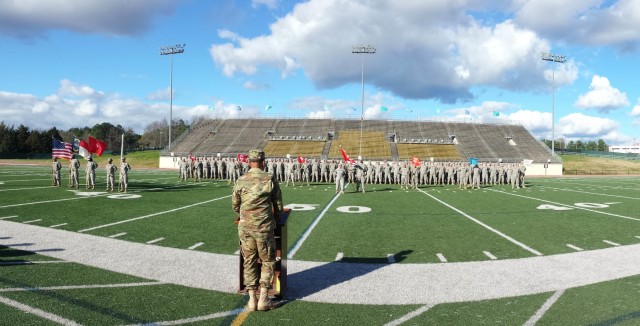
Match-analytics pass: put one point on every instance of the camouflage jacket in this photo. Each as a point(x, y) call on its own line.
point(257, 199)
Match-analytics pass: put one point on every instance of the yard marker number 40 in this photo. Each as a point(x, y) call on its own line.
point(582, 205)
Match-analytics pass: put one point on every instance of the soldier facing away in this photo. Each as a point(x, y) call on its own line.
point(257, 202)
point(124, 175)
point(111, 174)
point(55, 169)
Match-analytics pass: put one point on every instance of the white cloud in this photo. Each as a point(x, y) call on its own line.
point(444, 50)
point(578, 125)
point(636, 109)
point(562, 74)
point(117, 17)
point(591, 22)
point(271, 4)
point(255, 86)
point(602, 96)
point(163, 94)
point(537, 122)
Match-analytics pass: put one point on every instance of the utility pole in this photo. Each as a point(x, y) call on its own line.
point(362, 49)
point(548, 56)
point(171, 50)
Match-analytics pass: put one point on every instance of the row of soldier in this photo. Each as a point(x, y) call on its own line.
point(90, 174)
point(404, 173)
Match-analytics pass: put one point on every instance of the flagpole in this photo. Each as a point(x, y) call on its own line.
point(362, 49)
point(122, 147)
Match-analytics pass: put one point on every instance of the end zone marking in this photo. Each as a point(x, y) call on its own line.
point(155, 240)
point(512, 240)
point(490, 255)
point(27, 222)
point(239, 320)
point(57, 225)
point(442, 258)
point(545, 307)
point(611, 243)
point(339, 256)
point(37, 312)
point(8, 217)
point(391, 258)
point(574, 247)
point(117, 235)
point(196, 245)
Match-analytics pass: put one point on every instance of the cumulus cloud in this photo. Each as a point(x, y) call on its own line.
point(578, 125)
point(253, 86)
point(590, 22)
point(602, 96)
point(163, 94)
point(27, 19)
point(76, 105)
point(537, 122)
point(562, 74)
point(445, 51)
point(484, 111)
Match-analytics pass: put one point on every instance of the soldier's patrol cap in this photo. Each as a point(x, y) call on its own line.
point(256, 155)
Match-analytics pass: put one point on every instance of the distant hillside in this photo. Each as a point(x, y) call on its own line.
point(575, 164)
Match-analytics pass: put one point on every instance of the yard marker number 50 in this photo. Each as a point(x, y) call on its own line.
point(564, 208)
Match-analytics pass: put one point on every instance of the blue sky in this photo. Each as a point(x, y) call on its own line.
point(76, 63)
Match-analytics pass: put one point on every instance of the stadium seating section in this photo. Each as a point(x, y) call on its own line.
point(372, 139)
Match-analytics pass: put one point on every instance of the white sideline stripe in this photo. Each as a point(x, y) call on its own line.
point(16, 189)
point(51, 201)
point(196, 245)
point(306, 233)
point(611, 243)
point(31, 262)
point(155, 240)
point(237, 252)
point(576, 207)
point(38, 312)
point(57, 225)
point(151, 215)
point(33, 221)
point(545, 307)
point(409, 316)
point(339, 256)
point(194, 319)
point(117, 235)
point(8, 217)
point(391, 258)
point(637, 236)
point(81, 287)
point(490, 255)
point(512, 240)
point(574, 247)
point(442, 258)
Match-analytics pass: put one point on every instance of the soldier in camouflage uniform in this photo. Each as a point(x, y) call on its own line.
point(111, 175)
point(55, 169)
point(257, 202)
point(74, 165)
point(124, 175)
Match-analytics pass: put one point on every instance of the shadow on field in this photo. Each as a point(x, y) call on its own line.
point(619, 320)
point(322, 277)
point(12, 254)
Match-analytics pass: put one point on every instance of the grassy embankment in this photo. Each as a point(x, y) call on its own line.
point(144, 159)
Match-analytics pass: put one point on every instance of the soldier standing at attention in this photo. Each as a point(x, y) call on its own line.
point(111, 174)
point(359, 177)
point(340, 175)
point(124, 175)
point(74, 165)
point(55, 169)
point(257, 202)
point(91, 173)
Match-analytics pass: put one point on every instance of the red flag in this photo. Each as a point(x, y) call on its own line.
point(96, 146)
point(346, 157)
point(242, 157)
point(415, 161)
point(191, 157)
point(84, 149)
point(301, 159)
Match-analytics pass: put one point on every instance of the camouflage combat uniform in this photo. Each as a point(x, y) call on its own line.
point(257, 200)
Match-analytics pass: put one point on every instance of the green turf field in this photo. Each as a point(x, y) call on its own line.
point(434, 225)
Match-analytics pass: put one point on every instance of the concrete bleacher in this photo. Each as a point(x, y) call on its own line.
point(421, 132)
point(300, 129)
point(439, 152)
point(374, 145)
point(294, 148)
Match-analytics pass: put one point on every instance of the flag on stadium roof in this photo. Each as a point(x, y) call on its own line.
point(467, 112)
point(61, 149)
point(384, 109)
point(267, 108)
point(238, 108)
point(496, 113)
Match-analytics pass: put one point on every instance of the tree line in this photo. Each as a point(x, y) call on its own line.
point(579, 145)
point(24, 140)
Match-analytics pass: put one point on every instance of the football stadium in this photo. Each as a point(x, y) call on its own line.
point(555, 250)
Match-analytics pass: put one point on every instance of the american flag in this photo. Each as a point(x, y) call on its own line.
point(61, 149)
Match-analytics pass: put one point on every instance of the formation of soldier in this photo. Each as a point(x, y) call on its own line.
point(90, 174)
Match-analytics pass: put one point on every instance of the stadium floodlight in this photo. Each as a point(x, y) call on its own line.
point(171, 50)
point(362, 49)
point(548, 56)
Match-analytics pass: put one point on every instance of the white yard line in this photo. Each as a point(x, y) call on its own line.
point(47, 201)
point(391, 258)
point(155, 240)
point(442, 258)
point(593, 193)
point(32, 221)
point(117, 235)
point(409, 316)
point(512, 240)
point(152, 215)
point(566, 205)
point(194, 319)
point(81, 287)
point(574, 247)
point(307, 232)
point(58, 225)
point(611, 243)
point(8, 217)
point(490, 255)
point(339, 256)
point(196, 245)
point(38, 312)
point(545, 307)
point(30, 188)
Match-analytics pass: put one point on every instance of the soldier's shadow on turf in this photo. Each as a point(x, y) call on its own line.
point(316, 279)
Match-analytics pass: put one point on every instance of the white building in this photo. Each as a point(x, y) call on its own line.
point(634, 149)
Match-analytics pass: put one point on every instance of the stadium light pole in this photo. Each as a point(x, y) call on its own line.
point(362, 49)
point(171, 50)
point(548, 56)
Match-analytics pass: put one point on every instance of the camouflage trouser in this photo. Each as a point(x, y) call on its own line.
point(256, 245)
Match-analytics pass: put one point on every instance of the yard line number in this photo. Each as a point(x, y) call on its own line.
point(567, 208)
